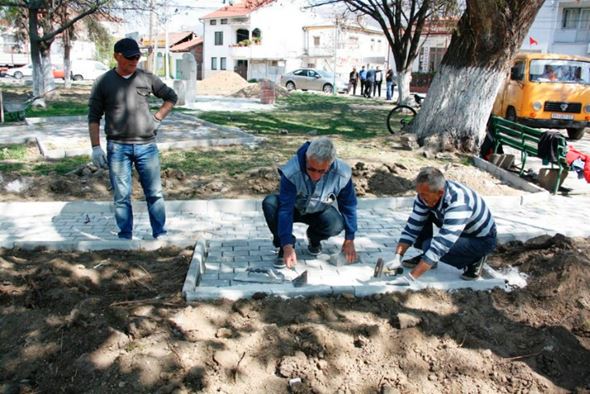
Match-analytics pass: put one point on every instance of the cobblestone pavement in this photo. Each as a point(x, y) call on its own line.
point(238, 238)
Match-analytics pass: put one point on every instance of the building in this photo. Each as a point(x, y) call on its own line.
point(560, 27)
point(256, 38)
point(174, 45)
point(339, 48)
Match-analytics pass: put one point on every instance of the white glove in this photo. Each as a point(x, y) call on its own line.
point(99, 158)
point(407, 281)
point(396, 262)
point(157, 123)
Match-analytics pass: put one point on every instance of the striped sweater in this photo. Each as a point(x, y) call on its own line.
point(461, 211)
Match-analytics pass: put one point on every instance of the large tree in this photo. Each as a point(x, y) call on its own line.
point(45, 20)
point(462, 93)
point(404, 23)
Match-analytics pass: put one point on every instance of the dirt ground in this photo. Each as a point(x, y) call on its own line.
point(103, 323)
point(377, 172)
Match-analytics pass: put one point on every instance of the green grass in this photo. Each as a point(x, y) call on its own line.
point(217, 161)
point(59, 108)
point(13, 152)
point(301, 113)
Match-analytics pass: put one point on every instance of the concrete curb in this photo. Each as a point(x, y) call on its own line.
point(506, 176)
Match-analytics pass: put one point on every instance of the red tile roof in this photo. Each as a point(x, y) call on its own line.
point(245, 7)
point(185, 46)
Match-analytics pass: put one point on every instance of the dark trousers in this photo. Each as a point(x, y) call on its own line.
point(466, 251)
point(377, 88)
point(352, 84)
point(322, 225)
point(368, 89)
point(363, 81)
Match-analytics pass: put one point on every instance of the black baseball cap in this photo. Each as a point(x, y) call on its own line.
point(127, 47)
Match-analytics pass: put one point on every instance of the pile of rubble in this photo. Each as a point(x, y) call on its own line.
point(223, 83)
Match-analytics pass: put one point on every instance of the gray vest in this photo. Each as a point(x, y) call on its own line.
point(316, 198)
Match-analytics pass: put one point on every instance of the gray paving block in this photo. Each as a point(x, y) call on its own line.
point(289, 290)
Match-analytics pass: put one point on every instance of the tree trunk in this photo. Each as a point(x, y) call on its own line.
point(403, 85)
point(67, 62)
point(462, 93)
point(40, 58)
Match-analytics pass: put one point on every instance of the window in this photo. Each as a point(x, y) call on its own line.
point(316, 41)
point(218, 38)
point(222, 63)
point(213, 63)
point(223, 22)
point(517, 72)
point(301, 73)
point(213, 22)
point(576, 18)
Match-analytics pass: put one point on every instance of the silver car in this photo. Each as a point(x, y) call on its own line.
point(312, 79)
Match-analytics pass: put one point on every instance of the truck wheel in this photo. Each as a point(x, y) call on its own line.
point(576, 133)
point(77, 77)
point(18, 75)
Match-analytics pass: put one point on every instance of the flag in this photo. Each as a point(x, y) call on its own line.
point(532, 41)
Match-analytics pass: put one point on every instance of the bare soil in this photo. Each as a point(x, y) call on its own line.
point(116, 323)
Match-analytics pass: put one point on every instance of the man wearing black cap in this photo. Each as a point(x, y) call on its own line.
point(122, 95)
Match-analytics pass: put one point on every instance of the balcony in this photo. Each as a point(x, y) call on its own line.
point(254, 51)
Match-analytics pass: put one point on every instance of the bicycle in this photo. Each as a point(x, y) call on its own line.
point(401, 116)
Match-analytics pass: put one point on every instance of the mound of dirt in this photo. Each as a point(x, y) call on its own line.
point(223, 83)
point(253, 91)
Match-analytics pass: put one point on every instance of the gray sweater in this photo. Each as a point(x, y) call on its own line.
point(124, 102)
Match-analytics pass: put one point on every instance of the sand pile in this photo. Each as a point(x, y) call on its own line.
point(253, 91)
point(223, 83)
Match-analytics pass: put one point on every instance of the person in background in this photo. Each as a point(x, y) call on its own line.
point(378, 81)
point(363, 78)
point(369, 82)
point(389, 84)
point(121, 95)
point(352, 81)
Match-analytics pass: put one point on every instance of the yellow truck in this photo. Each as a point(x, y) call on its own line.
point(547, 91)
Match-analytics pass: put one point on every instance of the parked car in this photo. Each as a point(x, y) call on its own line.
point(547, 91)
point(312, 79)
point(26, 71)
point(87, 69)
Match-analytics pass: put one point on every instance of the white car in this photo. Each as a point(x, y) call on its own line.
point(87, 69)
point(21, 72)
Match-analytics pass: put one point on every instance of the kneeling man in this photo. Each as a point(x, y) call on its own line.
point(467, 229)
point(311, 181)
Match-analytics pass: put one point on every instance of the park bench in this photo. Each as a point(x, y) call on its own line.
point(526, 140)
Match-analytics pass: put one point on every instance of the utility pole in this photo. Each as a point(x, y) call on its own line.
point(335, 55)
point(151, 38)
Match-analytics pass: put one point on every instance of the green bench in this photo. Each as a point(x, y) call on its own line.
point(526, 140)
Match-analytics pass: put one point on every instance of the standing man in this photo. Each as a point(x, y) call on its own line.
point(362, 77)
point(378, 81)
point(122, 94)
point(311, 182)
point(352, 81)
point(369, 82)
point(389, 84)
point(467, 229)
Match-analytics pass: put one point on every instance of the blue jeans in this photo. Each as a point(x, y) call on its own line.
point(389, 90)
point(145, 157)
point(322, 225)
point(464, 252)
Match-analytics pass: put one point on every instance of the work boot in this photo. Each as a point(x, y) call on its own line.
point(314, 248)
point(279, 263)
point(413, 262)
point(473, 271)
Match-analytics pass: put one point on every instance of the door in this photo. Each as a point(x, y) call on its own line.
point(242, 68)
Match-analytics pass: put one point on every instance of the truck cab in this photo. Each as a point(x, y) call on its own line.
point(547, 91)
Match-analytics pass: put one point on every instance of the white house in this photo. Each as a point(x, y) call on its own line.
point(339, 49)
point(560, 27)
point(255, 38)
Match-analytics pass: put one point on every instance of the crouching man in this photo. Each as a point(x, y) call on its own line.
point(467, 229)
point(311, 181)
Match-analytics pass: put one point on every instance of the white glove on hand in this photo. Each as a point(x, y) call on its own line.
point(99, 158)
point(407, 281)
point(396, 262)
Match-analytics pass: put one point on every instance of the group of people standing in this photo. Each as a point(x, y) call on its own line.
point(371, 80)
